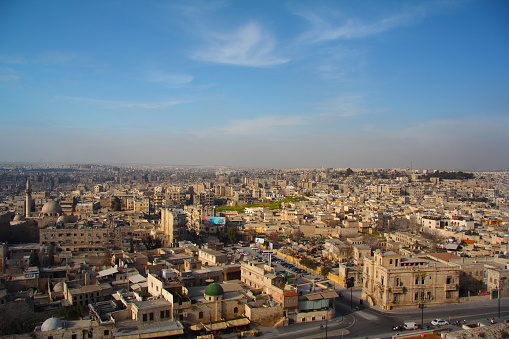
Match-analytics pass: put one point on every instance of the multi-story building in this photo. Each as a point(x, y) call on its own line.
point(391, 280)
point(173, 225)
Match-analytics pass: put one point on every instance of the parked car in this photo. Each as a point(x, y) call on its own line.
point(439, 322)
point(411, 325)
point(398, 328)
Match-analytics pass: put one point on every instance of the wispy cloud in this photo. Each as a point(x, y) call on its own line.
point(112, 104)
point(333, 27)
point(8, 74)
point(256, 126)
point(249, 45)
point(341, 107)
point(168, 79)
point(12, 59)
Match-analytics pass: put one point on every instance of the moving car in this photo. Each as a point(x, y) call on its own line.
point(439, 322)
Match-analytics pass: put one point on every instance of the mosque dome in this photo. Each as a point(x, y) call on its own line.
point(59, 287)
point(214, 290)
point(18, 217)
point(51, 207)
point(52, 324)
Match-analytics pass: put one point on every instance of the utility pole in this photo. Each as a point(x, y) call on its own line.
point(421, 306)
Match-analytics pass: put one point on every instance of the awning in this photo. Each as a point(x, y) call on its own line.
point(238, 322)
point(329, 294)
point(215, 326)
point(196, 327)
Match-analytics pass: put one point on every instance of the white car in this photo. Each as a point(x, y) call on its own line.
point(439, 322)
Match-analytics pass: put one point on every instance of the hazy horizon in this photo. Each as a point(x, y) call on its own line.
point(294, 84)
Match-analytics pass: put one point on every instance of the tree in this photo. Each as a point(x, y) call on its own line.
point(232, 235)
point(325, 271)
point(115, 205)
point(151, 243)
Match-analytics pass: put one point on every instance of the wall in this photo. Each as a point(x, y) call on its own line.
point(266, 316)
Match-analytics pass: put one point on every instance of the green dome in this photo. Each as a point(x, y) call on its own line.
point(214, 290)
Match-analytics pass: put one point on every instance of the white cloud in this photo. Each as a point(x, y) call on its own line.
point(341, 107)
point(168, 79)
point(112, 104)
point(247, 46)
point(256, 126)
point(8, 74)
point(9, 59)
point(327, 27)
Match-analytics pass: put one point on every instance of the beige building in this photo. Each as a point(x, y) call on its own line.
point(211, 257)
point(88, 294)
point(391, 280)
point(173, 225)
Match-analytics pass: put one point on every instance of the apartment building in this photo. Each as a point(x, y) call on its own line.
point(393, 281)
point(173, 225)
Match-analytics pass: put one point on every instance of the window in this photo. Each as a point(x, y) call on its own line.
point(390, 261)
point(161, 315)
point(167, 313)
point(106, 332)
point(236, 310)
point(416, 296)
point(145, 317)
point(74, 336)
point(200, 315)
point(422, 280)
point(151, 316)
point(449, 280)
point(416, 281)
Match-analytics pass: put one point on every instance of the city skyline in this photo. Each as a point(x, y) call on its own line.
point(256, 84)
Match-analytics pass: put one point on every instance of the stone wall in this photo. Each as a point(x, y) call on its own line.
point(266, 316)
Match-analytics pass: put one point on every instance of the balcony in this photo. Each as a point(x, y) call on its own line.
point(398, 289)
point(450, 287)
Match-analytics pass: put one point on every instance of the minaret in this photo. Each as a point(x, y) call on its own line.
point(28, 202)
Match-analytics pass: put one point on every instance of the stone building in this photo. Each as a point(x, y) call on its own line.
point(391, 280)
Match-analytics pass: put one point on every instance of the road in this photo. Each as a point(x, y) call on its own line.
point(372, 322)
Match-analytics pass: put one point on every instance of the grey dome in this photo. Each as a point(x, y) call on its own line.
point(51, 207)
point(18, 217)
point(59, 287)
point(52, 324)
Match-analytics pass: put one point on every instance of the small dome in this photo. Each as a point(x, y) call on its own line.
point(52, 324)
point(51, 207)
point(214, 290)
point(59, 287)
point(18, 217)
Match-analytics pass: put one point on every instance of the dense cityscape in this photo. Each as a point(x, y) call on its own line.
point(115, 251)
point(220, 169)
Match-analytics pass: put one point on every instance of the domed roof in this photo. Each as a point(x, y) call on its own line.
point(18, 217)
point(52, 324)
point(59, 287)
point(214, 290)
point(51, 207)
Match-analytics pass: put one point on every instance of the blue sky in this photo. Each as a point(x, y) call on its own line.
point(256, 83)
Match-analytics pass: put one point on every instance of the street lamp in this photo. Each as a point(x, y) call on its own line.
point(498, 297)
point(421, 306)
